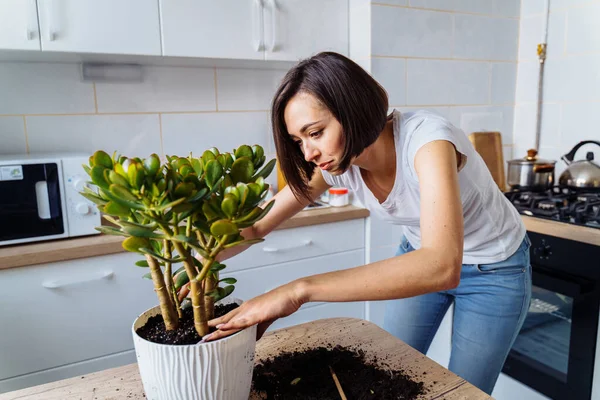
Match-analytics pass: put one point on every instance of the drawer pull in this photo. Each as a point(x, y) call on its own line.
point(304, 243)
point(59, 283)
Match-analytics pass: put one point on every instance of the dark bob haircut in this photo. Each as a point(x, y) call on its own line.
point(352, 96)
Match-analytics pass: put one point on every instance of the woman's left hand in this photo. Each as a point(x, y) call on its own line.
point(262, 310)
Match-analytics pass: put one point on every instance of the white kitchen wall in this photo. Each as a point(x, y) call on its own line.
point(571, 99)
point(455, 57)
point(45, 107)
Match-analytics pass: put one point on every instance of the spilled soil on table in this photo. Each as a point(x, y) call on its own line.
point(307, 375)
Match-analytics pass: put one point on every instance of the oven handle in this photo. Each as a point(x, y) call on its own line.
point(572, 287)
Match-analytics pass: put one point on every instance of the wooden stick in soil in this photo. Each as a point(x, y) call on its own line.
point(337, 384)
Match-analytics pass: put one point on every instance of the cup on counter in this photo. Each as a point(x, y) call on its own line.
point(338, 197)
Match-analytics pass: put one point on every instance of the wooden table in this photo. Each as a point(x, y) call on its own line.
point(125, 383)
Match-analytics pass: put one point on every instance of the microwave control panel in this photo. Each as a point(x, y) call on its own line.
point(83, 215)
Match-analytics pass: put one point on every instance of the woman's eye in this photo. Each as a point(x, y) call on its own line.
point(316, 134)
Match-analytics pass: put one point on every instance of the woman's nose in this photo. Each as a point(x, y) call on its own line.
point(310, 153)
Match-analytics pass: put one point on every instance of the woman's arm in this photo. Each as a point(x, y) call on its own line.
point(435, 266)
point(286, 206)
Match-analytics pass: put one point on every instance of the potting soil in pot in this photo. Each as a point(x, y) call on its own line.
point(154, 330)
point(307, 375)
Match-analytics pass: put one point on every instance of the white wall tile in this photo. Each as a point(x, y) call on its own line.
point(550, 127)
point(584, 30)
point(42, 88)
point(527, 82)
point(574, 78)
point(446, 112)
point(504, 76)
point(12, 136)
point(394, 2)
point(183, 133)
point(507, 8)
point(530, 35)
point(561, 5)
point(557, 30)
point(447, 82)
point(413, 33)
point(247, 89)
point(131, 135)
point(485, 38)
point(524, 127)
point(486, 118)
point(391, 74)
point(580, 122)
point(532, 7)
point(472, 6)
point(163, 89)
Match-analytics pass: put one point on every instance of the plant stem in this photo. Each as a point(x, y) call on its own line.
point(210, 284)
point(169, 276)
point(167, 308)
point(196, 290)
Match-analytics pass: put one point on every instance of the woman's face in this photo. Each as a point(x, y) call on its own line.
point(316, 132)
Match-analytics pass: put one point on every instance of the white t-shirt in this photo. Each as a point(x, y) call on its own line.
point(493, 227)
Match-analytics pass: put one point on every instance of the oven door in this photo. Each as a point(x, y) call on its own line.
point(30, 203)
point(555, 349)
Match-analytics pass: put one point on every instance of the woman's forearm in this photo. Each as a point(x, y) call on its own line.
point(411, 274)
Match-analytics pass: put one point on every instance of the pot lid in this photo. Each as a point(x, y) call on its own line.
point(531, 158)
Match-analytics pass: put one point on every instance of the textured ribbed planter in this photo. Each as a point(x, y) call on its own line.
point(219, 370)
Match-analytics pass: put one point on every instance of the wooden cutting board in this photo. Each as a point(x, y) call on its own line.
point(489, 147)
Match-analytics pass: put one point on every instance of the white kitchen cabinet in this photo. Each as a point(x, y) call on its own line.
point(19, 25)
point(284, 30)
point(67, 312)
point(100, 26)
point(213, 29)
point(69, 318)
point(296, 29)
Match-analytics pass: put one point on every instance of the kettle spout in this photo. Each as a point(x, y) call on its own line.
point(566, 159)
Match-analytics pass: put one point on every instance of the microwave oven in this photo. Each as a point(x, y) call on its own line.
point(40, 200)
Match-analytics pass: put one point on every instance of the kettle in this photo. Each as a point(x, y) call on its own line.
point(580, 174)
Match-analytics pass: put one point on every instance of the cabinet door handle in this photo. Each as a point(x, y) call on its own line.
point(273, 25)
point(60, 283)
point(50, 13)
point(258, 20)
point(32, 20)
point(304, 243)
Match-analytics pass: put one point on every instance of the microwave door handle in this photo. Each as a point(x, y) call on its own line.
point(43, 200)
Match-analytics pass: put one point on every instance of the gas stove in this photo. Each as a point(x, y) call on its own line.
point(559, 204)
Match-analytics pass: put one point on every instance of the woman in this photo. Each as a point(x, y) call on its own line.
point(463, 241)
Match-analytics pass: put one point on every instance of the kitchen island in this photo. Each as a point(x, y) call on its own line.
point(125, 383)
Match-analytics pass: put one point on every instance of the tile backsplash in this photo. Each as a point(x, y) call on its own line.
point(571, 91)
point(46, 107)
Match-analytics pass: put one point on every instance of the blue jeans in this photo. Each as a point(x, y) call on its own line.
point(490, 306)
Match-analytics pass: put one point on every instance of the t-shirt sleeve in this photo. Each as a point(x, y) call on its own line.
point(430, 130)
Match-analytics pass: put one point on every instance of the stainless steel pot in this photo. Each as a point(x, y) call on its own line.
point(531, 173)
point(581, 174)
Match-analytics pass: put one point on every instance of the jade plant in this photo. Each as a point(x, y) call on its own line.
point(182, 213)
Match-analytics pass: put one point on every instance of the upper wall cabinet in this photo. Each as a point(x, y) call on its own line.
point(99, 26)
point(297, 29)
point(19, 25)
point(213, 29)
point(253, 29)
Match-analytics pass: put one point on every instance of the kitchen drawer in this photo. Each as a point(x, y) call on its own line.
point(321, 311)
point(60, 313)
point(254, 282)
point(299, 243)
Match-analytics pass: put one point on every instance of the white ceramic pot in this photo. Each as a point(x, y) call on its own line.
point(219, 370)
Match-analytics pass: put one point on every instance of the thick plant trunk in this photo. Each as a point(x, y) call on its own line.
point(165, 300)
point(209, 301)
point(196, 291)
